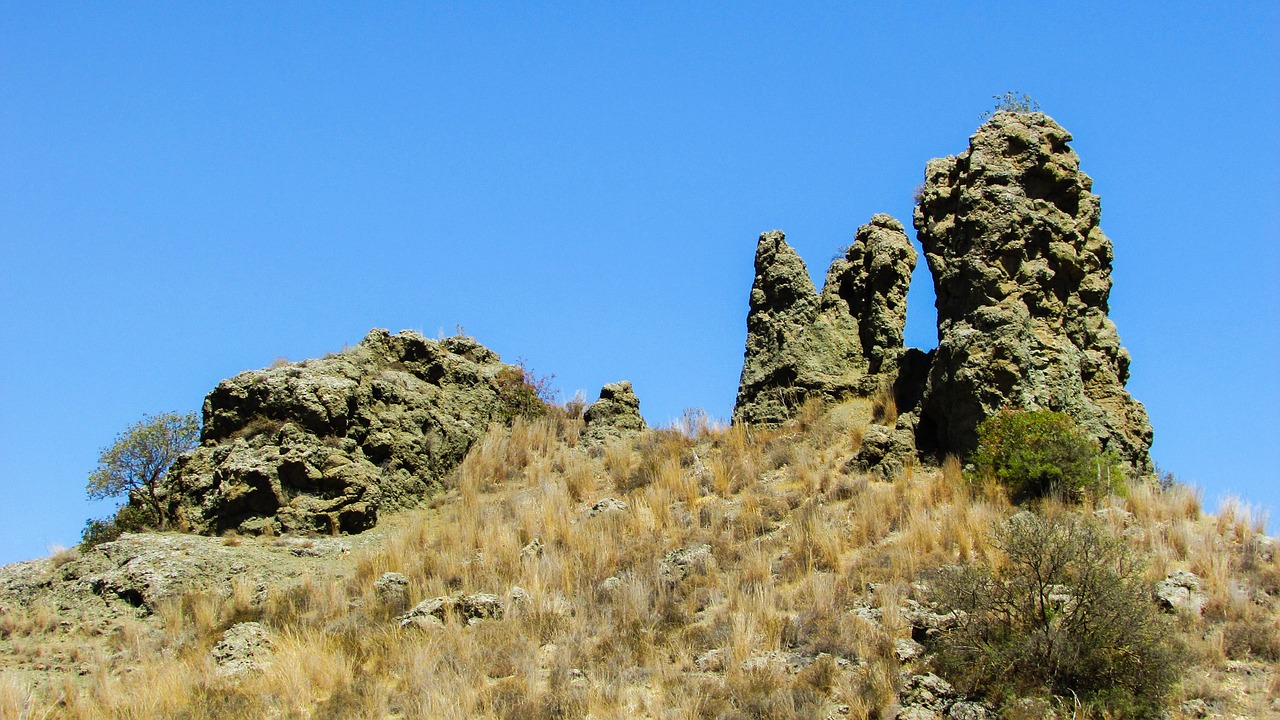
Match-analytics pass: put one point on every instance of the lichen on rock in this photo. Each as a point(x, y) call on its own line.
point(1022, 274)
point(324, 445)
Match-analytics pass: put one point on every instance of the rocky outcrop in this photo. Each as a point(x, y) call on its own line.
point(324, 445)
point(1022, 274)
point(244, 648)
point(846, 340)
point(869, 284)
point(614, 415)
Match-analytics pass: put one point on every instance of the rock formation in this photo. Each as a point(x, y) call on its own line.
point(614, 415)
point(847, 339)
point(323, 445)
point(1022, 274)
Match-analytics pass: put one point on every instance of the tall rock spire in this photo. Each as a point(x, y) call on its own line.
point(803, 344)
point(1022, 274)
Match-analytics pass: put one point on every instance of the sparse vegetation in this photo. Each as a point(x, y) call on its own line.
point(1014, 101)
point(1066, 610)
point(522, 393)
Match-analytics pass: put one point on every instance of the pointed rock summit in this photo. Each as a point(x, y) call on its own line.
point(803, 344)
point(1022, 274)
point(616, 414)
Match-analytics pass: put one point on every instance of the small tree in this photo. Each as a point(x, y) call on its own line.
point(134, 465)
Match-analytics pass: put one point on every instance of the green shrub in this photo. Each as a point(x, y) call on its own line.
point(1067, 612)
point(128, 518)
point(1039, 453)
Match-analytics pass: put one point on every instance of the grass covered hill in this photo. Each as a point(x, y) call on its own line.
point(698, 571)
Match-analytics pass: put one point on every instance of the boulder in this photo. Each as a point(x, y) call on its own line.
point(1022, 274)
point(467, 608)
point(393, 590)
point(324, 445)
point(616, 414)
point(244, 647)
point(1180, 592)
point(846, 340)
point(678, 564)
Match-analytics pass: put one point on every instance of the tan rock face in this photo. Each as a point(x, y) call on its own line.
point(323, 445)
point(803, 344)
point(1022, 274)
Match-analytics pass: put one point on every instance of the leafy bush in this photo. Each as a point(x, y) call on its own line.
point(1067, 611)
point(128, 518)
point(1039, 453)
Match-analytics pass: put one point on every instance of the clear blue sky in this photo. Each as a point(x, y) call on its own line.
point(189, 190)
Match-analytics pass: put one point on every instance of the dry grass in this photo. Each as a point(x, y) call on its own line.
point(795, 542)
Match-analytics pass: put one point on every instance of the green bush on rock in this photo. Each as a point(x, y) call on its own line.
point(1039, 453)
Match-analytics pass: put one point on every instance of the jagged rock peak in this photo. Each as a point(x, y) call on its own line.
point(323, 445)
point(1022, 274)
point(803, 344)
point(871, 283)
point(614, 415)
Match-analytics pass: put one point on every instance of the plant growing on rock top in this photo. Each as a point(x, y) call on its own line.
point(1038, 453)
point(1067, 610)
point(134, 466)
point(1014, 101)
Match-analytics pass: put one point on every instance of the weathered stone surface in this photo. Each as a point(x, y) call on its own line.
point(870, 285)
point(393, 590)
point(678, 564)
point(1180, 591)
point(803, 344)
point(1022, 274)
point(244, 647)
point(132, 577)
point(606, 505)
point(614, 415)
point(323, 445)
point(467, 608)
point(886, 451)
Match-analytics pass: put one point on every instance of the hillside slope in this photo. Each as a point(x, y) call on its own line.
point(698, 571)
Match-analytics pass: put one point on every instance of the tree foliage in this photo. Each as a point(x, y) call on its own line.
point(135, 464)
point(1039, 453)
point(1068, 611)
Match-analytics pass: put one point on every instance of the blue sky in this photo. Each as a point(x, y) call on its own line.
point(192, 190)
